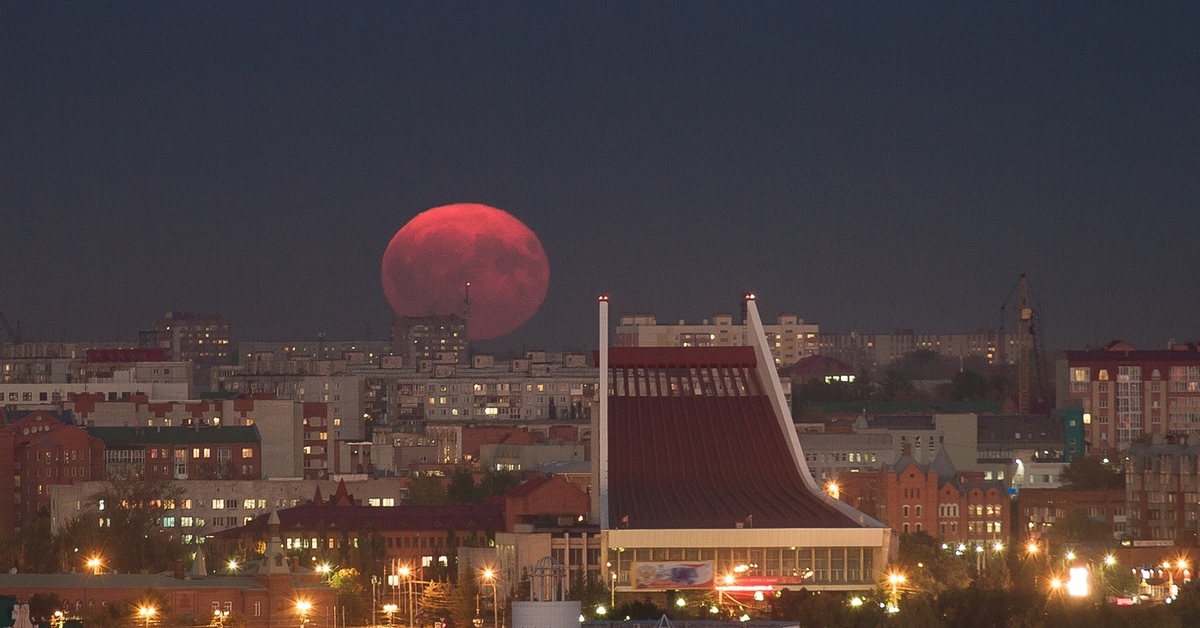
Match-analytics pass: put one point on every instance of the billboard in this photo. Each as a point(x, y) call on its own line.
point(673, 575)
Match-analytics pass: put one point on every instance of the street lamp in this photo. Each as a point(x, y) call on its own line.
point(406, 573)
point(219, 617)
point(146, 613)
point(489, 576)
point(95, 563)
point(233, 565)
point(302, 609)
point(390, 609)
point(895, 579)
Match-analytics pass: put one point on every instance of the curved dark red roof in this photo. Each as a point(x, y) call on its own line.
point(694, 443)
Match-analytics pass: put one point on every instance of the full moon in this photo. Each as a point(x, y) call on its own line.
point(430, 261)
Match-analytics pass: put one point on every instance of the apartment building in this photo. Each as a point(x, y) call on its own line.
point(1126, 393)
point(789, 339)
point(1162, 489)
point(871, 351)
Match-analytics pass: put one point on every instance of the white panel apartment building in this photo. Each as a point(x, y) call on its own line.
point(790, 339)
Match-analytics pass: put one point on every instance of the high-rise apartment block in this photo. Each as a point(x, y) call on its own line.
point(1126, 393)
point(202, 339)
point(430, 338)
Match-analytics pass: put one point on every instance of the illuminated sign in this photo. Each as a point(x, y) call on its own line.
point(673, 575)
point(1077, 585)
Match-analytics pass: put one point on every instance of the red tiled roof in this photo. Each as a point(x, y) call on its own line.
point(528, 487)
point(694, 443)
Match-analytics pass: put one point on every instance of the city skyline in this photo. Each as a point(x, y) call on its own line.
point(866, 168)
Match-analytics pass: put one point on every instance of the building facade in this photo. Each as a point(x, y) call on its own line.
point(1126, 393)
point(1162, 489)
point(871, 351)
point(789, 339)
point(42, 450)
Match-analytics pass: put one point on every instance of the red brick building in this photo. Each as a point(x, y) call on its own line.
point(341, 529)
point(934, 498)
point(1041, 508)
point(42, 449)
point(543, 500)
point(267, 594)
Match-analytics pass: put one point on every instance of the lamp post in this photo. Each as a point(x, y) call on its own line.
point(147, 613)
point(219, 617)
point(407, 574)
point(489, 576)
point(374, 585)
point(390, 609)
point(612, 591)
point(895, 579)
point(302, 609)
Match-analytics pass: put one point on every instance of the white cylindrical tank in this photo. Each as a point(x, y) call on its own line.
point(545, 614)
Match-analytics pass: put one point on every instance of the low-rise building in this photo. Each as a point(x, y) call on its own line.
point(833, 454)
point(936, 498)
point(1041, 508)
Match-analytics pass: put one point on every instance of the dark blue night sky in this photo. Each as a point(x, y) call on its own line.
point(867, 166)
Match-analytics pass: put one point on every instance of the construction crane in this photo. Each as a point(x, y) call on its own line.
point(13, 333)
point(1028, 345)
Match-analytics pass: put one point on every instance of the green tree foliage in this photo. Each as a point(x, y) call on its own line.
point(1076, 526)
point(928, 567)
point(128, 507)
point(435, 603)
point(32, 549)
point(897, 387)
point(426, 490)
point(43, 605)
point(1092, 473)
point(924, 364)
point(462, 488)
point(639, 609)
point(497, 483)
point(970, 386)
point(1186, 607)
point(466, 602)
point(353, 595)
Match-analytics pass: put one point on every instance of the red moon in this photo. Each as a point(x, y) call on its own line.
point(430, 260)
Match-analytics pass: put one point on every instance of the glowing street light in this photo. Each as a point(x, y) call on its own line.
point(390, 609)
point(219, 617)
point(895, 579)
point(302, 609)
point(601, 611)
point(1070, 555)
point(1032, 548)
point(1110, 560)
point(146, 613)
point(489, 576)
point(833, 489)
point(95, 563)
point(233, 565)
